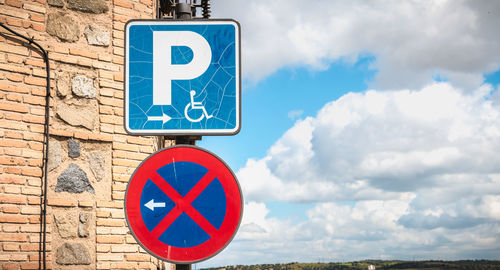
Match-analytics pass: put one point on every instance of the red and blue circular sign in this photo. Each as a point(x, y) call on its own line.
point(183, 204)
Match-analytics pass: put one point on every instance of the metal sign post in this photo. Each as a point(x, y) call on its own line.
point(182, 80)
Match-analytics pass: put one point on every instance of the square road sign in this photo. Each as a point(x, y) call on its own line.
point(182, 77)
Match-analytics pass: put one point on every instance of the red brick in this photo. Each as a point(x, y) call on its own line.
point(10, 209)
point(12, 161)
point(9, 179)
point(11, 228)
point(14, 125)
point(15, 77)
point(34, 200)
point(35, 62)
point(14, 49)
point(36, 146)
point(126, 147)
point(12, 199)
point(26, 24)
point(34, 220)
point(83, 53)
point(109, 239)
point(13, 219)
point(14, 3)
point(13, 237)
point(35, 256)
point(147, 2)
point(120, 18)
point(81, 135)
point(8, 86)
point(105, 109)
point(85, 203)
point(105, 57)
point(13, 151)
point(110, 204)
point(14, 107)
point(14, 97)
point(122, 3)
point(29, 247)
point(31, 265)
point(34, 100)
point(18, 257)
point(12, 68)
point(124, 265)
point(61, 132)
point(37, 163)
point(14, 22)
point(10, 247)
point(110, 222)
point(101, 137)
point(12, 189)
point(37, 17)
point(35, 8)
point(38, 27)
point(61, 202)
point(36, 128)
point(35, 81)
point(118, 77)
point(15, 58)
point(14, 116)
point(137, 257)
point(13, 134)
point(34, 119)
point(10, 266)
point(31, 172)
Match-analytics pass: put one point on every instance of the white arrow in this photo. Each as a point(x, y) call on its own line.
point(165, 118)
point(151, 204)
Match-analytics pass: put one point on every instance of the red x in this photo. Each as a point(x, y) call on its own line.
point(183, 204)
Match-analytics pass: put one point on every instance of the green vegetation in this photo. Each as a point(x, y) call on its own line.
point(407, 265)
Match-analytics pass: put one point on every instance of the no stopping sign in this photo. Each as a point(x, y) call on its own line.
point(183, 204)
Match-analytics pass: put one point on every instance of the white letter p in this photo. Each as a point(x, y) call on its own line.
point(164, 72)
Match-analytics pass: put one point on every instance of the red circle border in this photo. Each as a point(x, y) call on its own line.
point(234, 206)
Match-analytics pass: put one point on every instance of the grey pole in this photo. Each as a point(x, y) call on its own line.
point(182, 12)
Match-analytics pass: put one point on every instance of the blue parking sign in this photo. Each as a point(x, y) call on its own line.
point(182, 77)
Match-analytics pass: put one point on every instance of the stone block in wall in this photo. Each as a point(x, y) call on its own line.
point(97, 164)
point(74, 180)
point(63, 26)
point(89, 6)
point(55, 3)
point(84, 224)
point(62, 84)
point(55, 155)
point(83, 86)
point(77, 116)
point(73, 148)
point(97, 36)
point(73, 254)
point(66, 224)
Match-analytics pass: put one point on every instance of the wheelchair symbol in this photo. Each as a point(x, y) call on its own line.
point(195, 106)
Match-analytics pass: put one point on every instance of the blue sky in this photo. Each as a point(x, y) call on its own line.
point(366, 136)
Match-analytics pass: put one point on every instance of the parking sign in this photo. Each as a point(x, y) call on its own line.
point(182, 77)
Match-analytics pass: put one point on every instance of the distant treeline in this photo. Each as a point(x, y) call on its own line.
point(407, 265)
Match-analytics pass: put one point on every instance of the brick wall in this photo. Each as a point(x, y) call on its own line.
point(91, 157)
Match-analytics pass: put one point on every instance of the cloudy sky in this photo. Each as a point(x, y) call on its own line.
point(371, 130)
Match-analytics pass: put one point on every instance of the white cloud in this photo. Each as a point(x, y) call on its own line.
point(399, 174)
point(411, 40)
